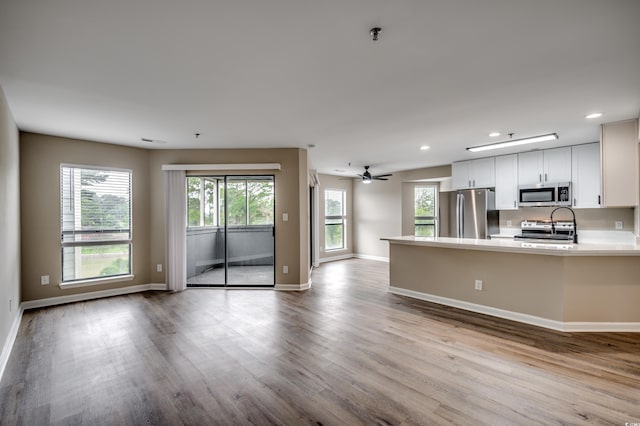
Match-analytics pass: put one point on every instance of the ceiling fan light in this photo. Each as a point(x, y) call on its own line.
point(366, 180)
point(514, 142)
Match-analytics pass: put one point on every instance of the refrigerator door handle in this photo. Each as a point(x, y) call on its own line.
point(457, 215)
point(461, 216)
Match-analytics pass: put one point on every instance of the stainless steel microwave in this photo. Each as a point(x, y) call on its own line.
point(545, 195)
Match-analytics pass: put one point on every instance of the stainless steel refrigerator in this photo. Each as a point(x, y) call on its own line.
point(470, 213)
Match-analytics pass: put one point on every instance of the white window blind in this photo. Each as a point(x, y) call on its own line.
point(96, 222)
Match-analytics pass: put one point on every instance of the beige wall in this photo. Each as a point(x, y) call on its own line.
point(346, 184)
point(378, 213)
point(42, 155)
point(560, 288)
point(385, 209)
point(10, 222)
point(291, 196)
point(40, 159)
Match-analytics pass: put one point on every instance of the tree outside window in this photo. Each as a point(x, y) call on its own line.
point(425, 210)
point(335, 219)
point(250, 201)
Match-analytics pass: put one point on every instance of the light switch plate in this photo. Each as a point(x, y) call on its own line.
point(285, 217)
point(44, 280)
point(159, 267)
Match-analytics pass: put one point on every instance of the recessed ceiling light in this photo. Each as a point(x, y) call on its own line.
point(494, 134)
point(593, 115)
point(425, 147)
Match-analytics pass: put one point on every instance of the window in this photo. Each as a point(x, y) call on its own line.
point(335, 218)
point(96, 222)
point(202, 201)
point(249, 201)
point(425, 210)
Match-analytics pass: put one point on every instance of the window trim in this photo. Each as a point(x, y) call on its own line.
point(82, 282)
point(342, 217)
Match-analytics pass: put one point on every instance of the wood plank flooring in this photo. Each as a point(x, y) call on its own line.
point(345, 352)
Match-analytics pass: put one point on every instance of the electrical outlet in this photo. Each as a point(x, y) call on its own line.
point(285, 269)
point(618, 224)
point(478, 285)
point(159, 267)
point(285, 217)
point(44, 280)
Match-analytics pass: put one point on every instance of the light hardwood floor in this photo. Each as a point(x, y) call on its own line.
point(344, 352)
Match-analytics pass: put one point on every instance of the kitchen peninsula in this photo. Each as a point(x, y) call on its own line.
point(566, 287)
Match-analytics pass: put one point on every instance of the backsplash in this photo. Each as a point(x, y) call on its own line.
point(586, 219)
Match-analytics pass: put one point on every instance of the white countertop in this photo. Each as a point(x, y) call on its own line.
point(510, 246)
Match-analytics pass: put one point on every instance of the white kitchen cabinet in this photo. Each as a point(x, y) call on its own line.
point(585, 179)
point(557, 164)
point(530, 165)
point(619, 163)
point(461, 174)
point(549, 165)
point(507, 182)
point(478, 173)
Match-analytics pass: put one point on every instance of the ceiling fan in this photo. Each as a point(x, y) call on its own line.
point(367, 177)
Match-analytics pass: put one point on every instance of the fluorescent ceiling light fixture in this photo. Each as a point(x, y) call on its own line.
point(425, 147)
point(593, 115)
point(494, 134)
point(514, 142)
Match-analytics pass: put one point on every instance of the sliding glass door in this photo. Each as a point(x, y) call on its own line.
point(230, 233)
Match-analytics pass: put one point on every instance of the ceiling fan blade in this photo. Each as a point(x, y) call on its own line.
point(379, 176)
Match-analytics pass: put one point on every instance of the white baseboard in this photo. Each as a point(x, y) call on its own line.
point(334, 258)
point(293, 287)
point(369, 257)
point(52, 301)
point(8, 343)
point(354, 255)
point(519, 317)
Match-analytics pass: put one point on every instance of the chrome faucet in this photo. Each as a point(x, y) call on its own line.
point(575, 227)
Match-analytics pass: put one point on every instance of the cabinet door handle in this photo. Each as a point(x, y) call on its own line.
point(545, 177)
point(469, 184)
point(574, 202)
point(540, 177)
point(514, 203)
point(474, 182)
point(598, 200)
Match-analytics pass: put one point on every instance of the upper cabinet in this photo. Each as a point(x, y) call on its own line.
point(507, 182)
point(473, 174)
point(619, 162)
point(549, 165)
point(585, 170)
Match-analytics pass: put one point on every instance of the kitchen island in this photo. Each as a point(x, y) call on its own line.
point(567, 287)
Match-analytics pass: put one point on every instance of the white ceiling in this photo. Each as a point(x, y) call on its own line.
point(290, 73)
